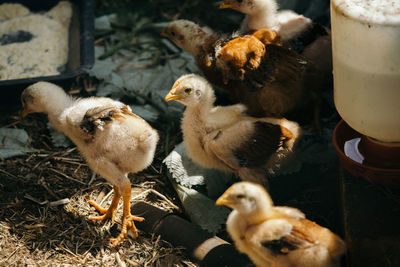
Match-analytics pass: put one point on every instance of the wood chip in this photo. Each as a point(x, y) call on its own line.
point(59, 202)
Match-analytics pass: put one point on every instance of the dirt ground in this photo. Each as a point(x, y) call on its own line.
point(37, 231)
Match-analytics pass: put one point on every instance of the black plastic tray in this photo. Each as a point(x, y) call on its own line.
point(81, 48)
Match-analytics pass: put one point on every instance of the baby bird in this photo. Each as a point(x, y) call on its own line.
point(225, 138)
point(113, 140)
point(264, 14)
point(244, 54)
point(277, 236)
point(310, 39)
point(269, 79)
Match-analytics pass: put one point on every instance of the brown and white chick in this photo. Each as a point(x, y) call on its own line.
point(311, 40)
point(277, 236)
point(225, 138)
point(269, 79)
point(264, 14)
point(113, 140)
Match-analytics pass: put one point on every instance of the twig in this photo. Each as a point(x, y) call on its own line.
point(119, 261)
point(27, 196)
point(106, 197)
point(157, 194)
point(48, 189)
point(59, 202)
point(12, 254)
point(92, 178)
point(66, 176)
point(39, 225)
point(165, 198)
point(8, 174)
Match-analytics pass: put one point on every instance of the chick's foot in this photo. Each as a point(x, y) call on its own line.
point(107, 213)
point(127, 224)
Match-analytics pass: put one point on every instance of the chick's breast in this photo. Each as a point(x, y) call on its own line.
point(195, 135)
point(129, 143)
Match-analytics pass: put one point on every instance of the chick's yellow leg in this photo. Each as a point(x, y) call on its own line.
point(107, 213)
point(127, 219)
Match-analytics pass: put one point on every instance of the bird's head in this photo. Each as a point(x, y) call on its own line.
point(40, 96)
point(245, 197)
point(191, 90)
point(185, 34)
point(244, 6)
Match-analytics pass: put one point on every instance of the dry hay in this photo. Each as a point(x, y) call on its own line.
point(35, 229)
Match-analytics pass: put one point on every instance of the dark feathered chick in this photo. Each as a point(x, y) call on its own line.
point(269, 79)
point(310, 39)
point(112, 139)
point(277, 236)
point(225, 138)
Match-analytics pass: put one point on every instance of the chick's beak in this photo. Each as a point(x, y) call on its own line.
point(172, 96)
point(224, 5)
point(164, 33)
point(224, 200)
point(25, 111)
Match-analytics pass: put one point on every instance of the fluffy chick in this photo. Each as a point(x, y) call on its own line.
point(270, 83)
point(112, 139)
point(264, 14)
point(225, 138)
point(277, 236)
point(296, 31)
point(243, 54)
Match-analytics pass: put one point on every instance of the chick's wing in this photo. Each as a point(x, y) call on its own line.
point(246, 144)
point(279, 237)
point(97, 117)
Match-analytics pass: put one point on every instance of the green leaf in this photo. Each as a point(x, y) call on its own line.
point(202, 210)
point(197, 188)
point(147, 112)
point(14, 142)
point(58, 139)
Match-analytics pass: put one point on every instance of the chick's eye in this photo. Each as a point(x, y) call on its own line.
point(173, 33)
point(188, 90)
point(240, 196)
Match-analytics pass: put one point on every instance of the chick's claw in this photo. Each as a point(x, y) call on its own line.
point(107, 213)
point(98, 207)
point(127, 224)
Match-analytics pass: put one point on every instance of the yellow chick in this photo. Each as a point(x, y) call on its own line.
point(277, 236)
point(112, 139)
point(225, 138)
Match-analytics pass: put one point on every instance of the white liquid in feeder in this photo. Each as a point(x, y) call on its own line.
point(366, 64)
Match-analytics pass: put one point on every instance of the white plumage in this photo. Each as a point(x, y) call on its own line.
point(112, 139)
point(277, 236)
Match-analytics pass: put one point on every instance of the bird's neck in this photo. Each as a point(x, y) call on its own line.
point(196, 42)
point(261, 214)
point(263, 16)
point(201, 110)
point(55, 103)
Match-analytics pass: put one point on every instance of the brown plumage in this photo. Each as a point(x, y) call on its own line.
point(273, 82)
point(225, 138)
point(113, 140)
point(277, 236)
point(301, 34)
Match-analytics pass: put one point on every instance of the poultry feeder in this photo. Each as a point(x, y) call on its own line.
point(80, 44)
point(366, 68)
